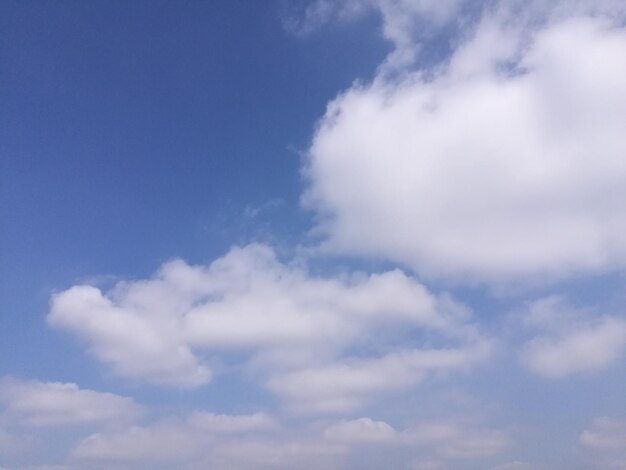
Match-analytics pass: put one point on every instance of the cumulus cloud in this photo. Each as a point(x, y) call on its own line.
point(504, 163)
point(571, 341)
point(121, 335)
point(41, 404)
point(287, 323)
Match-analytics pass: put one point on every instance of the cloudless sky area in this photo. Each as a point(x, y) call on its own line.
point(312, 234)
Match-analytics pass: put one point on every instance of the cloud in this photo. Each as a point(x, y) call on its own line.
point(206, 439)
point(340, 444)
point(120, 334)
point(158, 443)
point(403, 22)
point(459, 441)
point(347, 384)
point(571, 341)
point(503, 164)
point(605, 434)
point(12, 443)
point(172, 439)
point(286, 324)
point(42, 404)
point(442, 439)
point(231, 424)
point(360, 430)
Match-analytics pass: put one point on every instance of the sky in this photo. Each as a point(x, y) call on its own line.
point(350, 234)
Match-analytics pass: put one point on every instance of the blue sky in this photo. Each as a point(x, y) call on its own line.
point(313, 234)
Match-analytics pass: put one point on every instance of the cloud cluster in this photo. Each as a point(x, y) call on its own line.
point(268, 444)
point(300, 333)
point(503, 164)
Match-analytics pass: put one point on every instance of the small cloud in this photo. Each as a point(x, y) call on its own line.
point(571, 341)
point(51, 404)
point(605, 434)
point(360, 430)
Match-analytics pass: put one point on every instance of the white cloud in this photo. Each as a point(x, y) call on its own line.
point(158, 443)
point(231, 424)
point(459, 441)
point(40, 404)
point(504, 164)
point(284, 321)
point(605, 434)
point(207, 440)
point(172, 440)
point(571, 341)
point(404, 22)
point(441, 439)
point(284, 452)
point(360, 430)
point(347, 384)
point(122, 336)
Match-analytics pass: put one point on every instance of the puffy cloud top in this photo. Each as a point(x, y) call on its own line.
point(504, 164)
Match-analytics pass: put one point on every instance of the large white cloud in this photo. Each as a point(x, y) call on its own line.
point(505, 163)
point(283, 321)
point(40, 404)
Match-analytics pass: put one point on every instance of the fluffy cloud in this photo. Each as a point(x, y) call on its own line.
point(504, 163)
point(571, 341)
point(41, 404)
point(121, 335)
point(289, 324)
